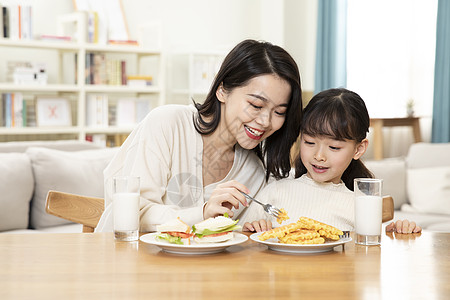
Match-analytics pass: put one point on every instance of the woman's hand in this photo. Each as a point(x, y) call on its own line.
point(258, 226)
point(403, 227)
point(224, 197)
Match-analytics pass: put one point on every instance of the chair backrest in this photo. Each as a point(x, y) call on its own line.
point(79, 209)
point(388, 209)
point(88, 210)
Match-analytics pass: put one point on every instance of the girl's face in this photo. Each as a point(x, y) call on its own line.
point(253, 112)
point(326, 159)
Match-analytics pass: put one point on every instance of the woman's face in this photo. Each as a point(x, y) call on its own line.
point(253, 112)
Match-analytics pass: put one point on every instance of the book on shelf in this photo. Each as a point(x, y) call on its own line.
point(100, 69)
point(13, 110)
point(123, 73)
point(16, 19)
point(98, 139)
point(139, 80)
point(117, 140)
point(55, 38)
point(92, 27)
point(112, 112)
point(36, 74)
point(103, 140)
point(97, 110)
point(17, 110)
point(30, 113)
point(4, 18)
point(87, 68)
point(123, 42)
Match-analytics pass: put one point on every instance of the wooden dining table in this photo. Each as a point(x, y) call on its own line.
point(95, 266)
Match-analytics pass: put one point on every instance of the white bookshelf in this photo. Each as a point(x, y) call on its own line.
point(79, 90)
point(192, 73)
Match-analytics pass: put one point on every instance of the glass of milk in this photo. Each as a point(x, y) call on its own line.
point(125, 198)
point(368, 211)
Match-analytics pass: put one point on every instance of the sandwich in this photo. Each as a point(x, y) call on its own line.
point(175, 232)
point(214, 230)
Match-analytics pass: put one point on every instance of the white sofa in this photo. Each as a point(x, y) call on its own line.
point(28, 170)
point(419, 184)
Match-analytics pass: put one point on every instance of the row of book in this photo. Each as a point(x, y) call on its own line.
point(16, 20)
point(16, 112)
point(123, 112)
point(13, 110)
point(102, 70)
point(103, 140)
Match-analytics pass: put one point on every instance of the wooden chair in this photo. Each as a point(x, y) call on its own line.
point(79, 209)
point(88, 210)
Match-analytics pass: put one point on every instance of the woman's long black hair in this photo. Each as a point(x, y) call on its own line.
point(245, 61)
point(342, 115)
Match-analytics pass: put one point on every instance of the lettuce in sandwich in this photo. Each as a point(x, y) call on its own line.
point(174, 232)
point(213, 230)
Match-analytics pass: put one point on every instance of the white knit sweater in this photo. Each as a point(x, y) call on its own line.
point(329, 203)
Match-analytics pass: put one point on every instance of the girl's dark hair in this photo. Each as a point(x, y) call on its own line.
point(245, 61)
point(342, 115)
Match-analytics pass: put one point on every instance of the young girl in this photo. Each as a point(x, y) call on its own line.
point(333, 138)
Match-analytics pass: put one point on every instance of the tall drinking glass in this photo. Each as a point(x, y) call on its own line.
point(126, 192)
point(368, 211)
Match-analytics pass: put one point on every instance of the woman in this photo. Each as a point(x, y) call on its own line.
point(194, 160)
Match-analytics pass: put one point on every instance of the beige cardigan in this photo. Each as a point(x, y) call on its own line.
point(165, 151)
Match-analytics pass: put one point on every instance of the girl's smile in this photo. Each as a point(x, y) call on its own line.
point(326, 159)
point(319, 169)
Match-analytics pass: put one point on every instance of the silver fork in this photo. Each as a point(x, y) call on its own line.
point(268, 208)
point(345, 234)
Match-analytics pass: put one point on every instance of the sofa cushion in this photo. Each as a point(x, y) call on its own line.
point(427, 155)
point(432, 222)
point(393, 173)
point(429, 189)
point(65, 145)
point(16, 190)
point(79, 172)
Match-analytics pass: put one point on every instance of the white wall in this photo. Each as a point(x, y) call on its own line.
point(300, 37)
point(197, 24)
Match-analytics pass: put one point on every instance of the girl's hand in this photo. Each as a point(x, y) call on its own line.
point(224, 197)
point(258, 226)
point(403, 227)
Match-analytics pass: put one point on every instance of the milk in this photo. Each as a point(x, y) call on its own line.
point(126, 211)
point(368, 213)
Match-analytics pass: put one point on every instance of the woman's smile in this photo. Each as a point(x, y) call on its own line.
point(253, 133)
point(253, 112)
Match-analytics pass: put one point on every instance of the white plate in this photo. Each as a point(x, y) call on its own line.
point(291, 248)
point(193, 248)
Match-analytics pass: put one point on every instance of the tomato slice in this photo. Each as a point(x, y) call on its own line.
point(183, 235)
